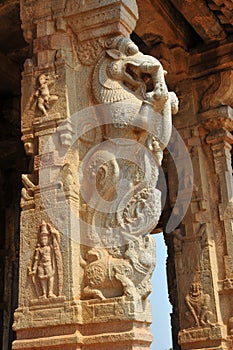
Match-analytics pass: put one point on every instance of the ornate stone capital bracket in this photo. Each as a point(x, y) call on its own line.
point(91, 20)
point(220, 137)
point(219, 91)
point(217, 118)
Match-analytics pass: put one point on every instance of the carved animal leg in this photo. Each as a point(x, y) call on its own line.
point(127, 284)
point(205, 316)
point(93, 293)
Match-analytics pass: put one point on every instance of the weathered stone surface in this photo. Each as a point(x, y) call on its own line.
point(85, 264)
point(79, 54)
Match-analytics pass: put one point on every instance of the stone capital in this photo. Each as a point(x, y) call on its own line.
point(93, 20)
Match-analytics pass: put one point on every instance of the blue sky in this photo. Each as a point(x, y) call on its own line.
point(161, 308)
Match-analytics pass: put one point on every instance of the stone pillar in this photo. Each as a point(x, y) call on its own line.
point(201, 247)
point(96, 116)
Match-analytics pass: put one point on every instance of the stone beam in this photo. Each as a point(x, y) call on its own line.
point(161, 22)
point(201, 19)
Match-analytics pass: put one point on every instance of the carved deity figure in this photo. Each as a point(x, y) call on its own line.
point(198, 304)
point(47, 262)
point(43, 94)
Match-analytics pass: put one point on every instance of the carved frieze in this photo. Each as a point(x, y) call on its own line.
point(89, 51)
point(188, 336)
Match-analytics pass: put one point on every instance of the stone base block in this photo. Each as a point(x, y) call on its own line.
point(208, 338)
point(115, 323)
point(118, 335)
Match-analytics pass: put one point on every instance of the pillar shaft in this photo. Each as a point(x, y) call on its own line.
point(97, 137)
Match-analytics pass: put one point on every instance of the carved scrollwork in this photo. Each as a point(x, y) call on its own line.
point(218, 91)
point(89, 52)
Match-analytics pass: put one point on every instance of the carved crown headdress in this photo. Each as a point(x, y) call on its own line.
point(43, 229)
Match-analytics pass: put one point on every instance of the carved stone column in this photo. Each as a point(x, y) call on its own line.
point(96, 116)
point(202, 245)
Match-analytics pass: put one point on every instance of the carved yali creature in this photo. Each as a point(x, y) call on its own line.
point(140, 107)
point(198, 304)
point(47, 264)
point(120, 271)
point(123, 74)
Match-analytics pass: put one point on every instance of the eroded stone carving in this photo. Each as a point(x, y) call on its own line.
point(47, 268)
point(230, 326)
point(69, 180)
point(218, 92)
point(65, 131)
point(131, 266)
point(198, 304)
point(28, 189)
point(88, 52)
point(42, 94)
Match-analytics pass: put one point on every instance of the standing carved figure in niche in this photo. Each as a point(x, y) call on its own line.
point(47, 263)
point(43, 94)
point(198, 304)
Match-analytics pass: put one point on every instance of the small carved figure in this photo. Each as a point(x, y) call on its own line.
point(198, 304)
point(155, 147)
point(43, 95)
point(47, 262)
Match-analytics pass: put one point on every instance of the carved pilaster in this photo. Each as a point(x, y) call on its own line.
point(220, 141)
point(199, 241)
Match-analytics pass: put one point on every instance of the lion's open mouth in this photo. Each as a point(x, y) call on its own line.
point(136, 79)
